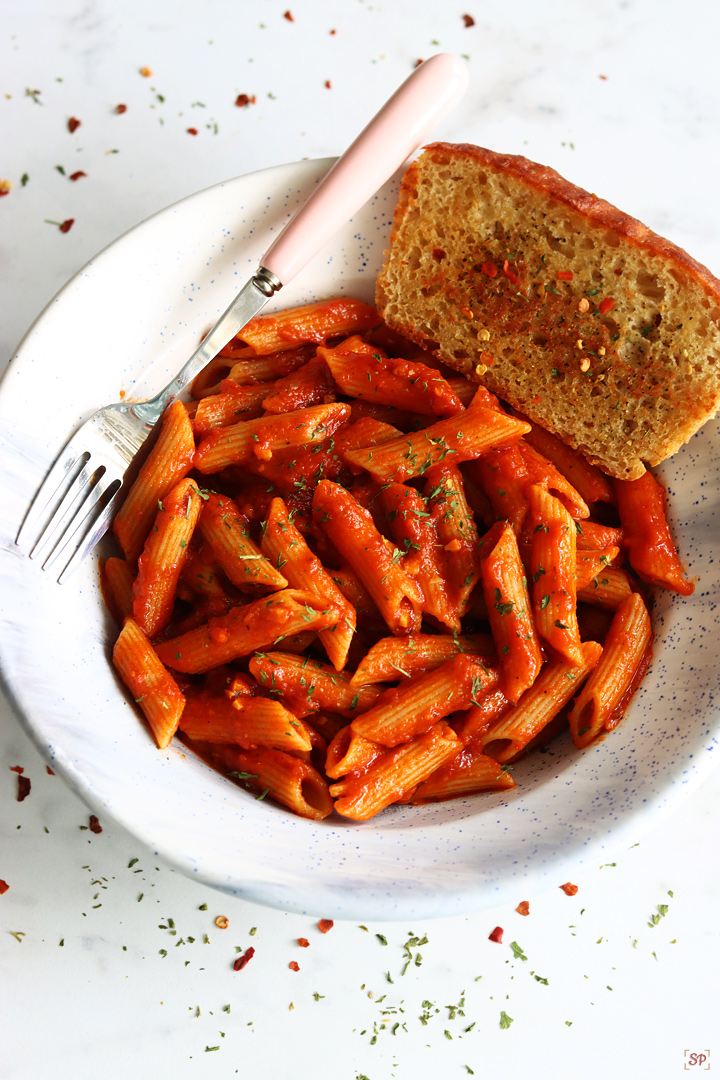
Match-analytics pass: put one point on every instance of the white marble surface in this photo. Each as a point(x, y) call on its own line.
point(86, 987)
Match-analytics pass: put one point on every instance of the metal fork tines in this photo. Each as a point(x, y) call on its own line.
point(80, 494)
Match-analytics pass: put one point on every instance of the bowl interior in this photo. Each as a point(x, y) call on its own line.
point(124, 325)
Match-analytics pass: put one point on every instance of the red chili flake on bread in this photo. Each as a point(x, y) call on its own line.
point(243, 960)
point(569, 889)
point(605, 305)
point(324, 925)
point(77, 175)
point(67, 225)
point(120, 109)
point(489, 269)
point(73, 124)
point(468, 20)
point(95, 825)
point(565, 275)
point(245, 99)
point(192, 131)
point(510, 274)
point(303, 942)
point(497, 935)
point(294, 966)
point(3, 886)
point(23, 788)
point(523, 907)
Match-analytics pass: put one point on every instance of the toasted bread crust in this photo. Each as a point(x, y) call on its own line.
point(571, 310)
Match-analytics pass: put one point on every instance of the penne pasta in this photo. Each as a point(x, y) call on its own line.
point(642, 506)
point(464, 774)
point(152, 687)
point(394, 658)
point(626, 655)
point(226, 533)
point(243, 721)
point(553, 566)
point(307, 685)
point(283, 777)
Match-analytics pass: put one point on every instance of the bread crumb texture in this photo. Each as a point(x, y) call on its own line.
point(571, 311)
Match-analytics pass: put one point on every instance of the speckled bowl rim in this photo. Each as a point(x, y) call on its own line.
point(570, 809)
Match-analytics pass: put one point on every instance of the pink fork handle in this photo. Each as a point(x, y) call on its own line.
point(404, 122)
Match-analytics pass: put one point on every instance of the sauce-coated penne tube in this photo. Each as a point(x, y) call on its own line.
point(646, 533)
point(243, 630)
point(395, 774)
point(287, 550)
point(394, 658)
point(349, 753)
point(404, 384)
point(464, 774)
point(311, 384)
point(457, 532)
point(592, 484)
point(244, 721)
point(552, 567)
point(310, 683)
point(164, 556)
point(116, 581)
point(626, 652)
point(416, 704)
point(557, 683)
point(169, 461)
point(608, 589)
point(592, 564)
point(226, 532)
point(397, 595)
point(509, 611)
point(314, 322)
point(287, 779)
point(458, 438)
point(239, 443)
point(233, 403)
point(152, 687)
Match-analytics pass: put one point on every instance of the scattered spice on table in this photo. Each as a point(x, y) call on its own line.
point(120, 109)
point(95, 825)
point(6, 186)
point(468, 20)
point(245, 99)
point(303, 942)
point(569, 889)
point(289, 16)
point(294, 966)
point(3, 886)
point(77, 175)
point(222, 922)
point(145, 72)
point(73, 124)
point(48, 770)
point(192, 131)
point(245, 959)
point(523, 908)
point(496, 935)
point(324, 925)
point(23, 788)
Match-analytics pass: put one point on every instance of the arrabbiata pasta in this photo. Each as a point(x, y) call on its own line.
point(351, 579)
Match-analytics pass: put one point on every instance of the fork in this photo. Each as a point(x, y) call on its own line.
point(84, 487)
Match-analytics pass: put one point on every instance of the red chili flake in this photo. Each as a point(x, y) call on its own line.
point(120, 109)
point(244, 959)
point(289, 16)
point(67, 225)
point(19, 769)
point(5, 187)
point(3, 886)
point(487, 358)
point(418, 63)
point(497, 935)
point(303, 942)
point(73, 124)
point(324, 925)
point(23, 788)
point(523, 908)
point(192, 131)
point(605, 305)
point(333, 31)
point(49, 770)
point(77, 175)
point(145, 72)
point(245, 99)
point(565, 275)
point(603, 77)
point(294, 966)
point(569, 889)
point(468, 20)
point(510, 274)
point(328, 85)
point(489, 269)
point(95, 825)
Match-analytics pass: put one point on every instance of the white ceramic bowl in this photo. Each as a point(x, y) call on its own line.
point(127, 321)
